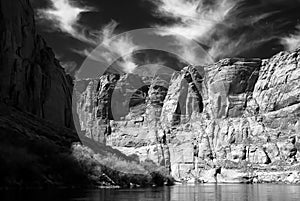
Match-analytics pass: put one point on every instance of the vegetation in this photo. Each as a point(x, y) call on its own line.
point(114, 170)
point(36, 154)
point(39, 164)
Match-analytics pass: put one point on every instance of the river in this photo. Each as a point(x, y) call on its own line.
point(205, 192)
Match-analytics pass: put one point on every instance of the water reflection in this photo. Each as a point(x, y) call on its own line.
point(238, 192)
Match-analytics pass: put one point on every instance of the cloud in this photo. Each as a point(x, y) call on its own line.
point(281, 2)
point(113, 48)
point(177, 8)
point(196, 17)
point(69, 66)
point(228, 28)
point(292, 42)
point(192, 53)
point(64, 14)
point(117, 45)
point(231, 46)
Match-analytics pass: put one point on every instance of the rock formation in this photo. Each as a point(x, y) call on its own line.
point(235, 110)
point(36, 121)
point(32, 80)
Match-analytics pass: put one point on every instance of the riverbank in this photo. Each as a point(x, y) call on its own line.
point(262, 174)
point(36, 154)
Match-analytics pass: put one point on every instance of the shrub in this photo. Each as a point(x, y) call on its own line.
point(159, 174)
point(120, 171)
point(17, 166)
point(39, 163)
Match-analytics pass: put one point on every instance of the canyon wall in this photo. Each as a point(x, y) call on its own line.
point(32, 80)
point(236, 110)
point(36, 121)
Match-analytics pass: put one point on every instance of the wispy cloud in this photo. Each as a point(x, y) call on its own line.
point(69, 66)
point(196, 18)
point(230, 46)
point(113, 48)
point(119, 46)
point(222, 25)
point(64, 15)
point(178, 8)
point(292, 42)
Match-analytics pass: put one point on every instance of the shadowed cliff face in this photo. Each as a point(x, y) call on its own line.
point(32, 80)
point(234, 110)
point(35, 107)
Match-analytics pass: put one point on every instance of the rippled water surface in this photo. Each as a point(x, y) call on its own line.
point(238, 192)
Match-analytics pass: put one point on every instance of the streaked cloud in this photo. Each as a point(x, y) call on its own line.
point(228, 28)
point(69, 66)
point(292, 41)
point(113, 48)
point(225, 28)
point(196, 18)
point(64, 15)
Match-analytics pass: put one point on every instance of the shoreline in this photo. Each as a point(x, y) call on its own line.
point(238, 176)
point(263, 178)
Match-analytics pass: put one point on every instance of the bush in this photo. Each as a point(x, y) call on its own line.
point(17, 166)
point(119, 171)
point(39, 163)
point(157, 178)
point(159, 174)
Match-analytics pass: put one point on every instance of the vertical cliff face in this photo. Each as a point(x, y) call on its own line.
point(234, 110)
point(230, 83)
point(184, 98)
point(278, 86)
point(94, 105)
point(32, 80)
point(156, 95)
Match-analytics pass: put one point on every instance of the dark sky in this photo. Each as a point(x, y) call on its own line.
point(224, 28)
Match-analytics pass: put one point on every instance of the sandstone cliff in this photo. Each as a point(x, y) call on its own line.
point(32, 80)
point(36, 124)
point(236, 110)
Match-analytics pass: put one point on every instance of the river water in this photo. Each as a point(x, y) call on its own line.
point(205, 192)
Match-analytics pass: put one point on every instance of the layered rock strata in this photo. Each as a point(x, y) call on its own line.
point(233, 111)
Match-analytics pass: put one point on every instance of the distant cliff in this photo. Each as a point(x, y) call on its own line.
point(32, 80)
point(236, 110)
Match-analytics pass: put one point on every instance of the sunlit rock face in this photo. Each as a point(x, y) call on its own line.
point(32, 80)
point(278, 86)
point(230, 83)
point(234, 110)
point(184, 98)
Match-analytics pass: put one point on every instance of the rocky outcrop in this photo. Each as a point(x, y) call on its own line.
point(278, 83)
point(236, 110)
point(184, 99)
point(110, 97)
point(32, 80)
